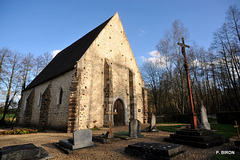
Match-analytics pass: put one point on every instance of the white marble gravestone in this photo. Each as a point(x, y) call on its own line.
point(153, 127)
point(204, 119)
point(153, 120)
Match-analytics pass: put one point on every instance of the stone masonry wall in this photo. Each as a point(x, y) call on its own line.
point(111, 44)
point(29, 108)
point(57, 113)
point(45, 105)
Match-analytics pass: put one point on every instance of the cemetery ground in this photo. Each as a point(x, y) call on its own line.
point(115, 150)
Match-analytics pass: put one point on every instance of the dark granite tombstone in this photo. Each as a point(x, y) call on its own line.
point(135, 128)
point(81, 139)
point(23, 152)
point(151, 151)
point(200, 138)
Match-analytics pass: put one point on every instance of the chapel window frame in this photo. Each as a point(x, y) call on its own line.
point(40, 100)
point(60, 96)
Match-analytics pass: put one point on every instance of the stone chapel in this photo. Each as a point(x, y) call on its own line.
point(84, 82)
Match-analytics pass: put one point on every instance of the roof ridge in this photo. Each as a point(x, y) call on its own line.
point(63, 62)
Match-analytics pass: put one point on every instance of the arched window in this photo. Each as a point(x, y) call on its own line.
point(60, 96)
point(40, 99)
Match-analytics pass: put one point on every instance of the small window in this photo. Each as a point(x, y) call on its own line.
point(60, 96)
point(40, 100)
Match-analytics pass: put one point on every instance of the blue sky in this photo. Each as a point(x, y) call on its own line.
point(39, 26)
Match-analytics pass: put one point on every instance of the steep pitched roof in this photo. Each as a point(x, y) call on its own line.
point(65, 60)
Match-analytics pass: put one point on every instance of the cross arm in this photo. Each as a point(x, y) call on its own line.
point(183, 45)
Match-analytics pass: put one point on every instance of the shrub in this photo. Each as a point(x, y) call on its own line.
point(19, 131)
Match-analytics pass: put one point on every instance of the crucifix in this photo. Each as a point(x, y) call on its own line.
point(237, 130)
point(193, 119)
point(111, 122)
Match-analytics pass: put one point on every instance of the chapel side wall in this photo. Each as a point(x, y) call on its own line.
point(58, 113)
point(39, 90)
point(22, 107)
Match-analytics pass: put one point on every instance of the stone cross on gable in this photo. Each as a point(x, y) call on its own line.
point(111, 122)
point(236, 126)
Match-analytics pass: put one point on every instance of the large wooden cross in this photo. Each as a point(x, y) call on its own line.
point(193, 119)
point(237, 130)
point(110, 122)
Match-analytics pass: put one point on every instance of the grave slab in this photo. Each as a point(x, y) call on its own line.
point(23, 152)
point(147, 150)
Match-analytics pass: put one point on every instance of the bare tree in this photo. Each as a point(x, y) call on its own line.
point(26, 69)
point(12, 82)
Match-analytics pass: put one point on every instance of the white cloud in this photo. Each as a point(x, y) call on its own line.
point(156, 58)
point(55, 52)
point(141, 32)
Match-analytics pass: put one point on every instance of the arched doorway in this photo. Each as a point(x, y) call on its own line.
point(119, 117)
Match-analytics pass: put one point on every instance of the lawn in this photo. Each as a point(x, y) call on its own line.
point(225, 130)
point(226, 157)
point(8, 117)
point(169, 128)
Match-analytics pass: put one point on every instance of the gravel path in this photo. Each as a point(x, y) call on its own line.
point(114, 150)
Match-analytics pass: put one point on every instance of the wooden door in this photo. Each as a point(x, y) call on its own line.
point(118, 118)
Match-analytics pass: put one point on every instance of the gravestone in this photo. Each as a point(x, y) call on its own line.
point(153, 127)
point(134, 128)
point(81, 139)
point(204, 119)
point(146, 150)
point(23, 152)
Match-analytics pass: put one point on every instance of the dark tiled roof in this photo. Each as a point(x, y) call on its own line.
point(65, 60)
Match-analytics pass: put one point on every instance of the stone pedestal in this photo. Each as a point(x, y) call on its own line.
point(200, 138)
point(151, 151)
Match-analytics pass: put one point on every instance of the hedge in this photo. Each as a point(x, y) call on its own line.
point(228, 117)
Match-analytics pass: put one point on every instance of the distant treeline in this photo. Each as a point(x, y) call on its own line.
point(214, 73)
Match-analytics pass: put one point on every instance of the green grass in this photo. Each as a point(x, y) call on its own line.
point(169, 128)
point(212, 120)
point(169, 123)
point(7, 115)
point(123, 134)
point(226, 157)
point(95, 128)
point(225, 130)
